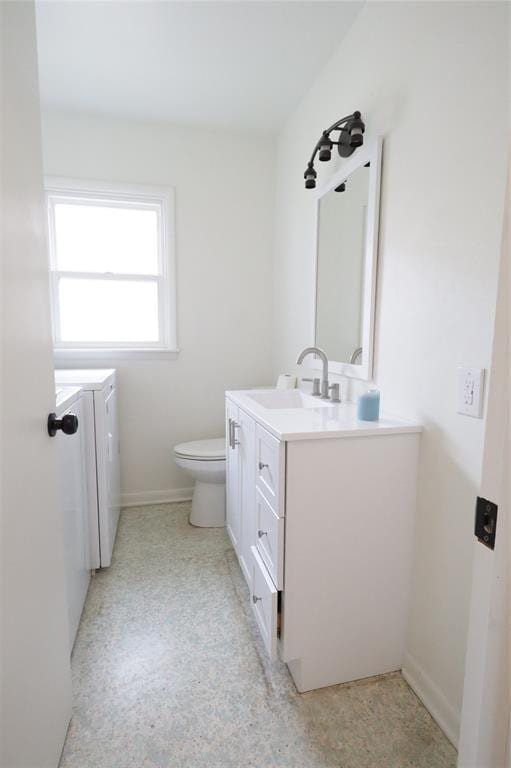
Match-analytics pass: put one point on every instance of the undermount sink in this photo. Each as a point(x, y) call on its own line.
point(287, 398)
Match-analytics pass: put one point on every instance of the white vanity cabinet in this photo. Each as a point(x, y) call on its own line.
point(320, 511)
point(240, 480)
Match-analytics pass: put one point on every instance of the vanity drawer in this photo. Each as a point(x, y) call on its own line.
point(264, 599)
point(270, 539)
point(270, 468)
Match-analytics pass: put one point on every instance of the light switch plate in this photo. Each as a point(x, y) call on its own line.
point(470, 391)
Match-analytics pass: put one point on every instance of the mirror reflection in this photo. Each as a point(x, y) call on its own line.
point(340, 268)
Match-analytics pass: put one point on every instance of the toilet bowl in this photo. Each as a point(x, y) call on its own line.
point(205, 461)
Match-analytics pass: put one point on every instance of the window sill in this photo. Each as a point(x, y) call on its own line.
point(102, 355)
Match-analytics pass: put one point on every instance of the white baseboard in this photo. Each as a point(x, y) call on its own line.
point(440, 709)
point(155, 497)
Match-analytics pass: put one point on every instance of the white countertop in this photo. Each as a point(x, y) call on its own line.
point(338, 420)
point(65, 396)
point(87, 378)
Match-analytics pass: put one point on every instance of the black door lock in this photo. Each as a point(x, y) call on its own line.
point(486, 522)
point(68, 424)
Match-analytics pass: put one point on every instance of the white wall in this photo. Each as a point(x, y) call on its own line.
point(224, 207)
point(432, 79)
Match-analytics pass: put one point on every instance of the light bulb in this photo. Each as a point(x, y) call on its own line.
point(325, 149)
point(310, 177)
point(356, 129)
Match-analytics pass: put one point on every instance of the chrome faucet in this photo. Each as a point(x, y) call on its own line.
point(322, 355)
point(356, 353)
point(316, 392)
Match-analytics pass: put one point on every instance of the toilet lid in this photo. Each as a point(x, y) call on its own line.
point(207, 450)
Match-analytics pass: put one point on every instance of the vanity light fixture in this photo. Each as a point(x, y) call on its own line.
point(351, 135)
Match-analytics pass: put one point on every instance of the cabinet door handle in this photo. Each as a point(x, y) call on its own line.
point(256, 599)
point(262, 533)
point(263, 466)
point(230, 434)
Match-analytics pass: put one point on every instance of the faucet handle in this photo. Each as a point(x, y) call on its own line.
point(315, 387)
point(335, 397)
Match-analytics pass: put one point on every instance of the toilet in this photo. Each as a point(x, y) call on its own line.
point(205, 461)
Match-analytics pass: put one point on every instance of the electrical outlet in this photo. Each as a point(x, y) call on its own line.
point(470, 391)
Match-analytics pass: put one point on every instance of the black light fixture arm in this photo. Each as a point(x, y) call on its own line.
point(328, 131)
point(351, 135)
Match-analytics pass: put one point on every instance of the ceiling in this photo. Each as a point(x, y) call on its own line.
point(236, 65)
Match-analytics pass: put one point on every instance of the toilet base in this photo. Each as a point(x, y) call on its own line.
point(208, 505)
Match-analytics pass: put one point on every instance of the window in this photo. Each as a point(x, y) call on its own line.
point(111, 268)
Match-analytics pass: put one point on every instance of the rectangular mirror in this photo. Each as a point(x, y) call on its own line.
point(347, 244)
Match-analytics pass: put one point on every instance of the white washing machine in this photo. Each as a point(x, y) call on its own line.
point(73, 499)
point(99, 395)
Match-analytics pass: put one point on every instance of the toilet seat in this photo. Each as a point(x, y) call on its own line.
point(202, 450)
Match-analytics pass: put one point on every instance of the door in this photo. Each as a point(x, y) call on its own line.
point(247, 478)
point(232, 487)
point(73, 501)
point(485, 721)
point(35, 693)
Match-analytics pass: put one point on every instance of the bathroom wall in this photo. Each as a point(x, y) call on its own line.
point(432, 79)
point(224, 219)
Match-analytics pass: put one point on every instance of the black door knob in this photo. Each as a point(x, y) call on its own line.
point(68, 424)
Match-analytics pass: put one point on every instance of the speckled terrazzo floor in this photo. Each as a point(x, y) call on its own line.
point(169, 674)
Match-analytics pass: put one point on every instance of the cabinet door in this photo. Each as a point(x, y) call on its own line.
point(113, 480)
point(107, 468)
point(88, 430)
point(73, 499)
point(232, 487)
point(246, 449)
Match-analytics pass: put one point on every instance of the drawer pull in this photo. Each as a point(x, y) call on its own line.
point(233, 425)
point(262, 533)
point(263, 466)
point(256, 599)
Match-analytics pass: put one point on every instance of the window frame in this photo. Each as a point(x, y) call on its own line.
point(161, 199)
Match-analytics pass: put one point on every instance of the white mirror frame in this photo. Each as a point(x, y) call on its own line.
point(369, 153)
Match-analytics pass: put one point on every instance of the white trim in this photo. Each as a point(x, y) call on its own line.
point(84, 187)
point(146, 498)
point(370, 153)
point(102, 355)
point(440, 709)
point(161, 199)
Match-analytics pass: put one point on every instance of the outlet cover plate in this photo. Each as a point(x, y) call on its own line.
point(470, 392)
